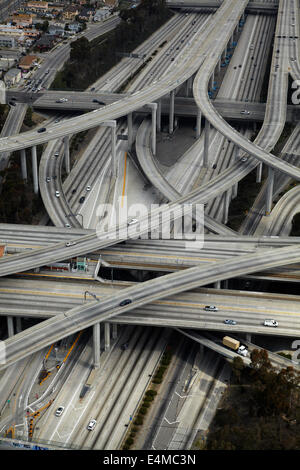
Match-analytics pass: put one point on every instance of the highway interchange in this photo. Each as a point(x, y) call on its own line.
point(209, 172)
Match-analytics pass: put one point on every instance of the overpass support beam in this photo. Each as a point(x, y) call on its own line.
point(114, 332)
point(153, 107)
point(34, 170)
point(198, 123)
point(158, 123)
point(23, 165)
point(259, 172)
point(270, 187)
point(226, 205)
point(96, 344)
point(130, 130)
point(219, 64)
point(66, 141)
point(106, 336)
point(19, 324)
point(206, 143)
point(171, 112)
point(248, 337)
point(10, 326)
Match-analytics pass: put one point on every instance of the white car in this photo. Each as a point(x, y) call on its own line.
point(245, 112)
point(271, 323)
point(88, 188)
point(57, 193)
point(70, 243)
point(91, 425)
point(132, 221)
point(59, 411)
point(211, 308)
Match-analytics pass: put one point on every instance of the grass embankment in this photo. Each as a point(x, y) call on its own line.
point(148, 399)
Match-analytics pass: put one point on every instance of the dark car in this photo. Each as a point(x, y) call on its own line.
point(82, 199)
point(12, 103)
point(13, 98)
point(97, 101)
point(125, 302)
point(124, 346)
point(42, 129)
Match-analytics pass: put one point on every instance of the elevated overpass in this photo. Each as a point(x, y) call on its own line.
point(212, 5)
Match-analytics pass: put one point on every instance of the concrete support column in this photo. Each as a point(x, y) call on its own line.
point(153, 107)
point(130, 130)
point(113, 152)
point(23, 165)
point(248, 337)
point(217, 285)
point(171, 112)
point(234, 192)
point(226, 205)
point(225, 284)
point(198, 124)
point(114, 332)
point(259, 172)
point(232, 39)
point(66, 141)
point(96, 344)
point(106, 336)
point(206, 143)
point(34, 170)
point(270, 187)
point(19, 324)
point(190, 85)
point(158, 123)
point(10, 326)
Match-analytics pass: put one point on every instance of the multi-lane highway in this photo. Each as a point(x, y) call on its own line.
point(189, 45)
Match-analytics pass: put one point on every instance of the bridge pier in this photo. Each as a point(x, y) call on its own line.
point(158, 120)
point(198, 123)
point(248, 337)
point(34, 170)
point(19, 324)
point(114, 332)
point(23, 165)
point(226, 205)
point(106, 336)
point(130, 130)
point(259, 172)
point(270, 187)
point(96, 344)
point(153, 107)
point(171, 112)
point(10, 326)
point(66, 141)
point(206, 143)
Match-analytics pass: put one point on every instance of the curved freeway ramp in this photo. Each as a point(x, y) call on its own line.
point(78, 318)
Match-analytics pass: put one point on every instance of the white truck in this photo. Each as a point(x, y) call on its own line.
point(235, 345)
